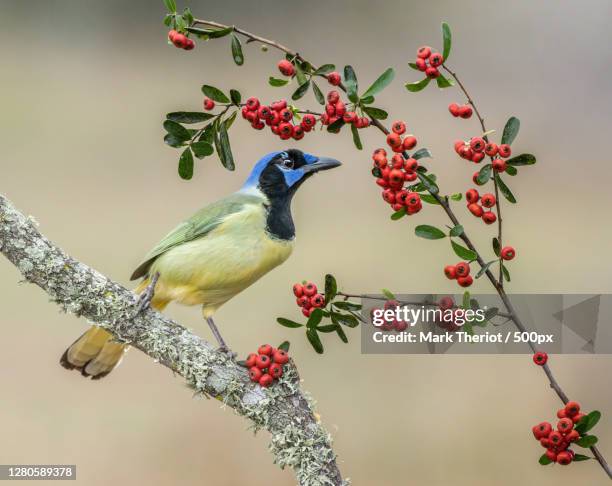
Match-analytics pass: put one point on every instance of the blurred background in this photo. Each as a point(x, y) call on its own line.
point(85, 88)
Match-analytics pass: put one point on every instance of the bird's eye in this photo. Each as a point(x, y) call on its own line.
point(287, 163)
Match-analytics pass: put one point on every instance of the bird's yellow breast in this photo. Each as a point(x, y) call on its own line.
point(212, 269)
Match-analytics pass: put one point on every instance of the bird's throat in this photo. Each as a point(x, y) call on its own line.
point(279, 223)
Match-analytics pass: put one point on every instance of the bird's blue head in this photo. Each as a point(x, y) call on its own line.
point(279, 174)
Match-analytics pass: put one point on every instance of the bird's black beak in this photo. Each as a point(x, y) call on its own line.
point(322, 163)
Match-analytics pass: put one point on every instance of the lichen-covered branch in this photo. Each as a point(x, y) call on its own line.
point(298, 439)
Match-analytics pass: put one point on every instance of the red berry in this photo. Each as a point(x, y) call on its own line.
point(208, 104)
point(286, 68)
point(286, 114)
point(491, 149)
point(454, 109)
point(540, 358)
point(264, 112)
point(265, 349)
point(171, 34)
point(564, 458)
point(189, 44)
point(565, 425)
point(576, 418)
point(398, 127)
point(475, 179)
point(552, 455)
point(413, 199)
point(340, 108)
point(561, 413)
point(281, 356)
point(285, 129)
point(298, 132)
point(396, 176)
point(465, 281)
point(409, 142)
point(276, 370)
point(489, 217)
point(333, 96)
point(477, 144)
point(179, 41)
point(397, 161)
point(250, 361)
point(307, 311)
point(394, 140)
point(507, 253)
point(432, 72)
point(572, 408)
point(572, 435)
point(411, 165)
point(258, 125)
point(298, 290)
point(424, 52)
point(499, 165)
point(349, 117)
point(465, 111)
point(436, 59)
point(472, 196)
point(462, 269)
point(446, 303)
point(541, 430)
point(400, 326)
point(303, 301)
point(308, 121)
point(504, 150)
point(364, 122)
point(310, 289)
point(488, 200)
point(466, 152)
point(262, 361)
point(450, 271)
point(476, 210)
point(255, 373)
point(279, 105)
point(334, 78)
point(317, 300)
point(266, 380)
point(477, 157)
point(421, 64)
point(459, 144)
point(410, 176)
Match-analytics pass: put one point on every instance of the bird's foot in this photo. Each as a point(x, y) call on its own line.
point(227, 351)
point(145, 298)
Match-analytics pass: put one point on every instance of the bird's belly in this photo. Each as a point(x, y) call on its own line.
point(211, 270)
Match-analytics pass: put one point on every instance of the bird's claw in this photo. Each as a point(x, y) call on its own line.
point(228, 352)
point(145, 298)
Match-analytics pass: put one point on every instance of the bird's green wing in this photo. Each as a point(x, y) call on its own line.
point(198, 226)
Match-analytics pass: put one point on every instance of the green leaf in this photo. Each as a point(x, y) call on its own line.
point(388, 294)
point(315, 341)
point(301, 91)
point(185, 167)
point(181, 25)
point(429, 183)
point(400, 213)
point(511, 171)
point(581, 457)
point(315, 318)
point(505, 190)
point(173, 141)
point(202, 149)
point(327, 328)
point(341, 334)
point(215, 94)
point(444, 82)
point(168, 20)
point(224, 150)
point(463, 252)
point(356, 137)
point(496, 246)
point(350, 83)
point(421, 154)
point(428, 198)
point(177, 130)
point(413, 66)
point(277, 82)
point(417, 85)
point(288, 323)
point(237, 51)
point(446, 40)
point(511, 130)
point(484, 174)
point(188, 16)
point(467, 303)
point(284, 346)
point(456, 231)
point(331, 288)
point(318, 93)
point(170, 5)
point(587, 441)
point(381, 83)
point(336, 126)
point(505, 272)
point(346, 319)
point(208, 134)
point(217, 33)
point(367, 100)
point(346, 305)
point(523, 159)
point(482, 270)
point(189, 116)
point(429, 232)
point(544, 460)
point(587, 422)
point(235, 96)
point(457, 196)
point(376, 113)
point(324, 70)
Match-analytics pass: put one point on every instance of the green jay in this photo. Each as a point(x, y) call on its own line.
point(212, 256)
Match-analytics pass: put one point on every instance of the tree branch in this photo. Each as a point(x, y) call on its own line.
point(298, 438)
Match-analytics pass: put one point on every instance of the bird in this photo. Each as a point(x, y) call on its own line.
point(215, 254)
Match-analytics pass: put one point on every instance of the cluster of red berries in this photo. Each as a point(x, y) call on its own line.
point(266, 365)
point(180, 40)
point(288, 69)
point(557, 441)
point(459, 272)
point(336, 109)
point(428, 61)
point(476, 204)
point(463, 111)
point(307, 297)
point(279, 117)
point(476, 149)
